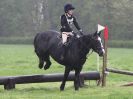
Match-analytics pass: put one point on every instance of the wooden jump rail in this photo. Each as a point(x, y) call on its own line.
point(10, 81)
point(128, 84)
point(119, 71)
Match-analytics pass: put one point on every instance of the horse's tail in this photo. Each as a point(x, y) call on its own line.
point(35, 41)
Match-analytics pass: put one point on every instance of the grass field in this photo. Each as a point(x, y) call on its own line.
point(21, 60)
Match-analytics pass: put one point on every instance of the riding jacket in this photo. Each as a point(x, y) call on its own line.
point(67, 22)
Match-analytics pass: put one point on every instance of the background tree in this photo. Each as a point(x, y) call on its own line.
point(25, 18)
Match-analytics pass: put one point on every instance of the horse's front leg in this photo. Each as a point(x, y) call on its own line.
point(77, 80)
point(67, 71)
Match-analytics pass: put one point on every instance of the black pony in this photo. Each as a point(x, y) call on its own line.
point(49, 44)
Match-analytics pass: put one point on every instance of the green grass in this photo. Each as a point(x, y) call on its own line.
point(21, 60)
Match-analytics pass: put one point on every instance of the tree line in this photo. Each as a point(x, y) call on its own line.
point(25, 18)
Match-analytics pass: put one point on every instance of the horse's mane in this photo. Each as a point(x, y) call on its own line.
point(85, 41)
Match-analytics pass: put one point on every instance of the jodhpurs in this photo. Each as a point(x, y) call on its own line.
point(65, 35)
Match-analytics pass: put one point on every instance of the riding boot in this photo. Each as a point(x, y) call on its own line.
point(64, 51)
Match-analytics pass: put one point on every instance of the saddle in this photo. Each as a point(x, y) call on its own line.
point(69, 39)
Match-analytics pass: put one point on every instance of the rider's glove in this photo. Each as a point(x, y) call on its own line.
point(78, 36)
point(73, 33)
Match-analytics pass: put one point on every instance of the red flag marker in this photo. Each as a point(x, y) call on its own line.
point(106, 33)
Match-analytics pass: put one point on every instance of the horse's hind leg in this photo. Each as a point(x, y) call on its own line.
point(41, 62)
point(48, 62)
point(41, 59)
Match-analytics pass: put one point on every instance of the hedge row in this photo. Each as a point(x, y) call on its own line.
point(121, 43)
point(17, 40)
point(29, 40)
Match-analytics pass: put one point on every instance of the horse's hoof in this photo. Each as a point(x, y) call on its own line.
point(77, 88)
point(61, 89)
point(45, 68)
point(40, 66)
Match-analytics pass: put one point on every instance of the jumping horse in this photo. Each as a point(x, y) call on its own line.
point(48, 44)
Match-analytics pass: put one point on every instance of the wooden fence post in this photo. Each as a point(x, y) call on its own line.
point(105, 56)
point(10, 84)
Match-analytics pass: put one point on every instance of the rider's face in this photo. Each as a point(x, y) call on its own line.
point(70, 12)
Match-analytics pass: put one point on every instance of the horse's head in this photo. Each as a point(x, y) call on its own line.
point(96, 44)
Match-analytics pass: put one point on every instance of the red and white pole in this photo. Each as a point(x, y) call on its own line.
point(105, 56)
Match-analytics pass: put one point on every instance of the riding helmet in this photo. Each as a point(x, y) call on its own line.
point(68, 7)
